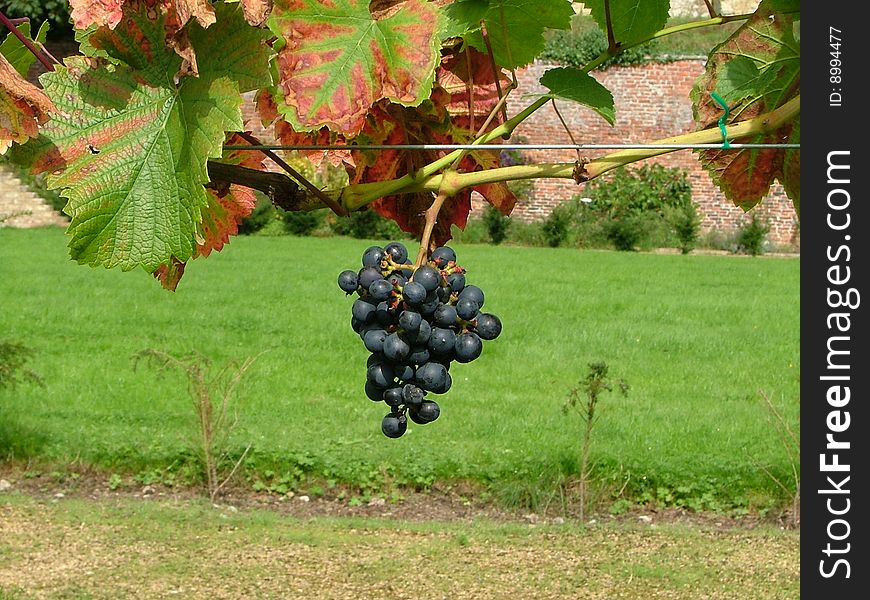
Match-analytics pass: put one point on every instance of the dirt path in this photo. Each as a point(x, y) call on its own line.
point(186, 548)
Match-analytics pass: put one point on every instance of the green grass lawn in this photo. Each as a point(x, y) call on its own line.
point(696, 337)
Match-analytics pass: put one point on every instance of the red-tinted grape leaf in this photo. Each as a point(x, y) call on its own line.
point(96, 21)
point(468, 77)
point(23, 107)
point(338, 59)
point(170, 274)
point(631, 20)
point(758, 70)
point(109, 13)
point(791, 169)
point(442, 119)
point(85, 13)
point(286, 135)
point(228, 205)
point(129, 146)
point(515, 27)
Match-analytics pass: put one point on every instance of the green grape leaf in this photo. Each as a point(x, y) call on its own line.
point(632, 20)
point(129, 144)
point(463, 17)
point(756, 70)
point(228, 204)
point(338, 59)
point(17, 53)
point(515, 27)
point(566, 83)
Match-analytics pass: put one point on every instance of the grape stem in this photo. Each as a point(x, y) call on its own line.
point(431, 219)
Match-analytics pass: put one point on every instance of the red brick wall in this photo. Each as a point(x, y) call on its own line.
point(652, 101)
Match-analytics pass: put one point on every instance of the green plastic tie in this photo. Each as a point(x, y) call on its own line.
point(725, 143)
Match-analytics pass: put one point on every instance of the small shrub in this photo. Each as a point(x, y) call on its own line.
point(263, 214)
point(625, 233)
point(686, 224)
point(556, 225)
point(299, 222)
point(752, 235)
point(496, 223)
point(367, 224)
point(583, 399)
point(212, 393)
point(576, 49)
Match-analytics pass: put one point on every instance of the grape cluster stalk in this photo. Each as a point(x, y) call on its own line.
point(415, 322)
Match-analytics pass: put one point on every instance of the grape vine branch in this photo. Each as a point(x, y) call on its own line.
point(141, 131)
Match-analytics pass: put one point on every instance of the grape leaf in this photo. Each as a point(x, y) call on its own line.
point(86, 13)
point(791, 176)
point(17, 53)
point(267, 108)
point(228, 204)
point(463, 17)
point(99, 16)
point(338, 59)
point(256, 11)
point(757, 69)
point(129, 146)
point(566, 83)
point(23, 107)
point(515, 27)
point(109, 13)
point(631, 20)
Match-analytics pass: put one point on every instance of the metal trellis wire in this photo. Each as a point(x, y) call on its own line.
point(424, 147)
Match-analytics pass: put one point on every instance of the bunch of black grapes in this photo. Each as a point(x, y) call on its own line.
point(415, 323)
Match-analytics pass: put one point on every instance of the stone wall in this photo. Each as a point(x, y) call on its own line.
point(20, 207)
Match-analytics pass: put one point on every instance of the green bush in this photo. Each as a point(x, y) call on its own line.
point(367, 224)
point(634, 205)
point(626, 232)
point(752, 235)
point(686, 224)
point(297, 222)
point(555, 226)
point(496, 224)
point(578, 48)
point(56, 12)
point(262, 215)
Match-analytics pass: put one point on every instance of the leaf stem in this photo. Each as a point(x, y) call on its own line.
point(40, 56)
point(332, 204)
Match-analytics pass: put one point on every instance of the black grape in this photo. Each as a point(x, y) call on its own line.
point(428, 277)
point(348, 281)
point(443, 256)
point(427, 412)
point(397, 251)
point(394, 426)
point(468, 347)
point(487, 326)
point(373, 256)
